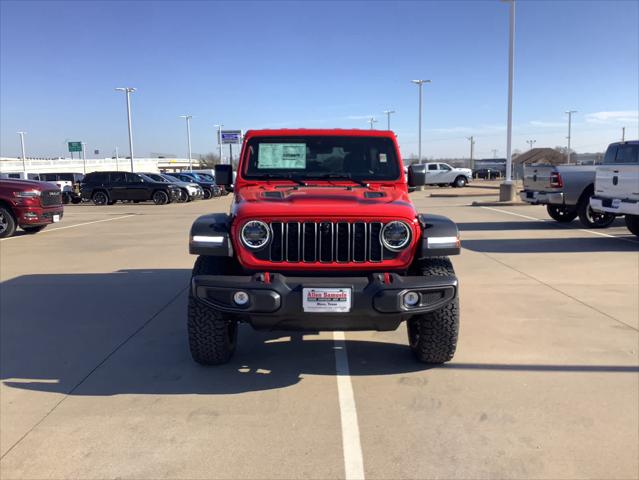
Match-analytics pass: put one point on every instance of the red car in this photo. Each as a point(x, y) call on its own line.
point(28, 204)
point(322, 235)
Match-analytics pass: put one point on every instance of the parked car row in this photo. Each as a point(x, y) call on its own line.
point(107, 188)
point(597, 194)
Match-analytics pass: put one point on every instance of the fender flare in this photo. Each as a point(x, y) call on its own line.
point(210, 235)
point(440, 237)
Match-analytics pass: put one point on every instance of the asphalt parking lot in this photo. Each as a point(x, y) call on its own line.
point(97, 381)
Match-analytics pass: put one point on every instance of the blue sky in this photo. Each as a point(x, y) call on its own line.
point(315, 64)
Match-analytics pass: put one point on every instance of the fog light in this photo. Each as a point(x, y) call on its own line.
point(240, 298)
point(411, 299)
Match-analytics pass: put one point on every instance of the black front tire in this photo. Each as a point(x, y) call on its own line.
point(632, 222)
point(212, 334)
point(432, 336)
point(460, 182)
point(591, 219)
point(7, 223)
point(207, 193)
point(561, 213)
point(160, 197)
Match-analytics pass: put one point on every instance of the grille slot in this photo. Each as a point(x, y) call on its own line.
point(326, 242)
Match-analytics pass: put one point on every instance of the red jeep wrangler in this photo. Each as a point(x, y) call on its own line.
point(322, 235)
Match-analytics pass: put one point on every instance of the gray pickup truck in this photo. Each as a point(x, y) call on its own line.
point(566, 192)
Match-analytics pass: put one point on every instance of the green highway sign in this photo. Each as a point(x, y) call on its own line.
point(75, 146)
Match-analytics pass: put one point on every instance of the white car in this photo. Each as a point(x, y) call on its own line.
point(617, 183)
point(443, 174)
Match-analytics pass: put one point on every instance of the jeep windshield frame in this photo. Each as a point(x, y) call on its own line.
point(356, 159)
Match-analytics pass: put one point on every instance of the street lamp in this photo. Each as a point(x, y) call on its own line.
point(24, 156)
point(128, 91)
point(531, 143)
point(372, 120)
point(188, 137)
point(388, 113)
point(219, 139)
point(507, 189)
point(472, 151)
point(419, 83)
point(569, 113)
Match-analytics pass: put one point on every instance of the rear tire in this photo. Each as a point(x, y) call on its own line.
point(561, 213)
point(7, 223)
point(100, 198)
point(591, 219)
point(432, 336)
point(632, 222)
point(212, 334)
point(32, 230)
point(160, 197)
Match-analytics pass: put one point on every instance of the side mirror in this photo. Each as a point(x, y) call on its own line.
point(417, 175)
point(224, 175)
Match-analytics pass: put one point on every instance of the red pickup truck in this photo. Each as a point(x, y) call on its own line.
point(322, 235)
point(28, 204)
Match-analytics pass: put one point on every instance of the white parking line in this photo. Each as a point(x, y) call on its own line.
point(353, 461)
point(559, 226)
point(70, 226)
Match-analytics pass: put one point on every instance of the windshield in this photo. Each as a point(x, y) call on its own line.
point(147, 178)
point(169, 178)
point(155, 177)
point(358, 158)
point(206, 176)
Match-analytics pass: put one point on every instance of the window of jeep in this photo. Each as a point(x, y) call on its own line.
point(360, 158)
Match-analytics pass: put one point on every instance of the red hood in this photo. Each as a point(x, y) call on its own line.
point(265, 201)
point(24, 185)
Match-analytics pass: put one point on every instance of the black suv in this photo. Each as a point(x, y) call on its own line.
point(106, 188)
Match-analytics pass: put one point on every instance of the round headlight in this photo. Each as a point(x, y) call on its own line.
point(255, 234)
point(395, 235)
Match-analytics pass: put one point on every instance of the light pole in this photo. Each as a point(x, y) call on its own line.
point(531, 143)
point(84, 158)
point(419, 83)
point(372, 120)
point(507, 189)
point(388, 113)
point(188, 137)
point(117, 160)
point(219, 140)
point(24, 156)
point(494, 150)
point(623, 134)
point(128, 91)
point(569, 113)
point(472, 150)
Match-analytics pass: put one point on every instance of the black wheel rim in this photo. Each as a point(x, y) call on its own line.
point(160, 198)
point(100, 198)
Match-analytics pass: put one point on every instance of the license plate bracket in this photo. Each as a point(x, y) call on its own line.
point(327, 300)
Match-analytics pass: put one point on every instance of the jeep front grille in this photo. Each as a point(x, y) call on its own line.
point(325, 242)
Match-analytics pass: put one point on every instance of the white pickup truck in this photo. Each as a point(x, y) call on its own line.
point(443, 175)
point(617, 183)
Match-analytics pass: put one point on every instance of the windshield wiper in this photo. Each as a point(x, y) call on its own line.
point(338, 176)
point(280, 176)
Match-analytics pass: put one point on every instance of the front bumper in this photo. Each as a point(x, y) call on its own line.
point(34, 216)
point(542, 198)
point(195, 193)
point(276, 303)
point(616, 206)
